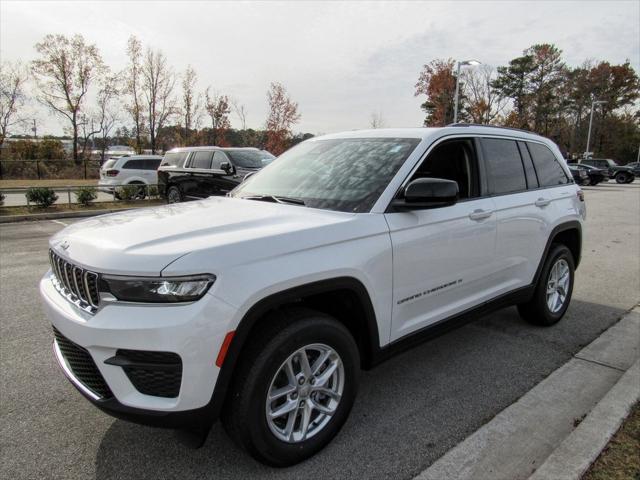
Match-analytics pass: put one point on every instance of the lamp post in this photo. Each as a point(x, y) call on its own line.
point(460, 64)
point(593, 104)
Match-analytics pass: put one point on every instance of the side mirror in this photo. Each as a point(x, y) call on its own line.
point(226, 166)
point(423, 193)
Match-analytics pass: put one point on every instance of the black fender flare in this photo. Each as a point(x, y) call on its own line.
point(563, 227)
point(284, 297)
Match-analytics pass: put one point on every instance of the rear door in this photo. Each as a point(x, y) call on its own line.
point(443, 258)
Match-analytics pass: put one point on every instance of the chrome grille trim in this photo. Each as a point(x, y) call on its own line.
point(76, 284)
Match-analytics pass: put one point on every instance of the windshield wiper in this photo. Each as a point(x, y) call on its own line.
point(275, 199)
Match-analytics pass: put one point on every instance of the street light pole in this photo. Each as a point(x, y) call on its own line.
point(456, 99)
point(593, 104)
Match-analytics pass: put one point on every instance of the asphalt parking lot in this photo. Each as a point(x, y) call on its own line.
point(410, 410)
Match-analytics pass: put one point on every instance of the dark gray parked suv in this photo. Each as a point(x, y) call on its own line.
point(620, 173)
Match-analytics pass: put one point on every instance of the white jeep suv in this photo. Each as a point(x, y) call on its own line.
point(260, 308)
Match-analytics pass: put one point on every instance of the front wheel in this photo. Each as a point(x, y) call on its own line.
point(294, 388)
point(554, 288)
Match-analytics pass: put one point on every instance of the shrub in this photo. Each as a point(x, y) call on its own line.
point(152, 190)
point(2, 197)
point(85, 195)
point(41, 196)
point(128, 192)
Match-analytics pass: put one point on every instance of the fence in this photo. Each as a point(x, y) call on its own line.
point(49, 169)
point(124, 192)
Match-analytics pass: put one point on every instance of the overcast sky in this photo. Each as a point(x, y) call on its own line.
point(340, 61)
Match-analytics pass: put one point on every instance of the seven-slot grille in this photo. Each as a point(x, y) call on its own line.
point(77, 284)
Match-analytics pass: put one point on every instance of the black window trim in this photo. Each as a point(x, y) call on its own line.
point(482, 171)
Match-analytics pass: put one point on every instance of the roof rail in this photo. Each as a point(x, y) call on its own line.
point(491, 126)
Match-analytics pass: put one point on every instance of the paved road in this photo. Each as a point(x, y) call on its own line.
point(409, 412)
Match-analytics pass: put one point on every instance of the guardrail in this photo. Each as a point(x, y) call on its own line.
point(132, 191)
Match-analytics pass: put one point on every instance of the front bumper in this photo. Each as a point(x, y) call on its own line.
point(193, 331)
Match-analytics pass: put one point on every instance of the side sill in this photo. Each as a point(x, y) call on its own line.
point(413, 339)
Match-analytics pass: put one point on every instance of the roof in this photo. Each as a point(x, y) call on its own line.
point(210, 147)
point(427, 132)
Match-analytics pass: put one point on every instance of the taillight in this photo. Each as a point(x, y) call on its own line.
point(112, 173)
point(580, 194)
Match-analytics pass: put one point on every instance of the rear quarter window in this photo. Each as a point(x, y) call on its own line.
point(548, 168)
point(504, 166)
point(174, 159)
point(133, 165)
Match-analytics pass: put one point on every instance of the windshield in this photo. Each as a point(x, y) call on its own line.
point(346, 174)
point(249, 158)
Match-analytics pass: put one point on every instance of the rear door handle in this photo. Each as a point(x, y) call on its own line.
point(542, 202)
point(480, 214)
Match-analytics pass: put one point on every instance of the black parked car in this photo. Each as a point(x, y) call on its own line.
point(198, 172)
point(580, 176)
point(620, 173)
point(635, 167)
point(596, 175)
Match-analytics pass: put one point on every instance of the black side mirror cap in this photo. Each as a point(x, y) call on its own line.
point(226, 166)
point(423, 193)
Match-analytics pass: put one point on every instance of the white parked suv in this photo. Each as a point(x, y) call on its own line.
point(260, 308)
point(130, 169)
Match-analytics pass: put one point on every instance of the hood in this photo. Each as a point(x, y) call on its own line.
point(145, 241)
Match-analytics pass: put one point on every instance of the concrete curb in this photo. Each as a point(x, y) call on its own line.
point(57, 215)
point(581, 448)
point(519, 440)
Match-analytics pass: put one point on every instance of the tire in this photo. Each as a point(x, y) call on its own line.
point(262, 370)
point(621, 178)
point(537, 310)
point(174, 195)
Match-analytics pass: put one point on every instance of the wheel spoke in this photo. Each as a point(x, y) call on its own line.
point(291, 422)
point(304, 363)
point(285, 408)
point(319, 362)
point(281, 392)
point(306, 418)
point(291, 375)
point(328, 392)
point(321, 408)
point(324, 377)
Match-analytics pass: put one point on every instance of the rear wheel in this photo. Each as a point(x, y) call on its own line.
point(553, 291)
point(294, 387)
point(174, 195)
point(621, 177)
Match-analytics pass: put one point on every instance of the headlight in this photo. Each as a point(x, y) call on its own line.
point(157, 289)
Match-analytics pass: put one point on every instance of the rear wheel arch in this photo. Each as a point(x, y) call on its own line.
point(344, 298)
point(569, 234)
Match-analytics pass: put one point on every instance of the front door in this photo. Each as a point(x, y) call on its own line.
point(443, 258)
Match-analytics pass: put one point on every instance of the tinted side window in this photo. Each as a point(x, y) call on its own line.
point(152, 164)
point(201, 160)
point(133, 165)
point(549, 171)
point(218, 158)
point(530, 172)
point(504, 166)
point(175, 159)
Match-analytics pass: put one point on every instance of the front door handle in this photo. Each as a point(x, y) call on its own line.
point(480, 214)
point(542, 202)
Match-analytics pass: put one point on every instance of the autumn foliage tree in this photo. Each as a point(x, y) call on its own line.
point(283, 115)
point(438, 82)
point(218, 108)
point(64, 71)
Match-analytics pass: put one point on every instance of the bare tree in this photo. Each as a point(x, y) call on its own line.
point(218, 108)
point(484, 103)
point(283, 114)
point(158, 84)
point(107, 113)
point(377, 121)
point(133, 88)
point(64, 72)
point(191, 102)
point(13, 77)
point(241, 111)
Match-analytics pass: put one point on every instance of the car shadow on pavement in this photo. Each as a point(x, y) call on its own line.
point(410, 410)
